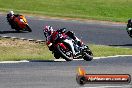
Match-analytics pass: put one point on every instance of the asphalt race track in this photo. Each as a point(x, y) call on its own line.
point(51, 74)
point(90, 32)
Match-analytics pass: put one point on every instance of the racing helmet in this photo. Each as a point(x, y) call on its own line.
point(11, 13)
point(48, 30)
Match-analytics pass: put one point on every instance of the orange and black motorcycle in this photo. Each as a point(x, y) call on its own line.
point(19, 23)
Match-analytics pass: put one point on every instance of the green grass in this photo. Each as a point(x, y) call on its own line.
point(102, 50)
point(20, 50)
point(112, 10)
point(24, 50)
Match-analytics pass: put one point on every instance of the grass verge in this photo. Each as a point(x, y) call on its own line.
point(111, 10)
point(11, 49)
point(20, 50)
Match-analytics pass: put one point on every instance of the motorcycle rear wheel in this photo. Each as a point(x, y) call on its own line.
point(63, 55)
point(56, 55)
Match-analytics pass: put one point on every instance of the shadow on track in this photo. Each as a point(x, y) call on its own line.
point(122, 45)
point(6, 32)
point(45, 61)
point(57, 60)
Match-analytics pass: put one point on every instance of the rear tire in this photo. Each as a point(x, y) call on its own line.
point(56, 55)
point(63, 55)
point(17, 29)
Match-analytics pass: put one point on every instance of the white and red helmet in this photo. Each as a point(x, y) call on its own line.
point(11, 13)
point(48, 30)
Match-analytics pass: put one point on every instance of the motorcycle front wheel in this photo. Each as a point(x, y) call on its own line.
point(88, 56)
point(28, 28)
point(129, 32)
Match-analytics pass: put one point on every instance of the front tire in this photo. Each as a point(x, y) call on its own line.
point(88, 56)
point(28, 28)
point(129, 32)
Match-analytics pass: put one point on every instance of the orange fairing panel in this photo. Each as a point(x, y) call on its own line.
point(24, 19)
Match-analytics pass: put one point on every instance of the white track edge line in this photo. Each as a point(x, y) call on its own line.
point(58, 60)
point(126, 86)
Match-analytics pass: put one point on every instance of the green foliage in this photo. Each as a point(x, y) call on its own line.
point(112, 10)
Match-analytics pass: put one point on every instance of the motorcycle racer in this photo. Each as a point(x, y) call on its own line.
point(18, 22)
point(49, 34)
point(65, 44)
point(129, 25)
point(11, 16)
